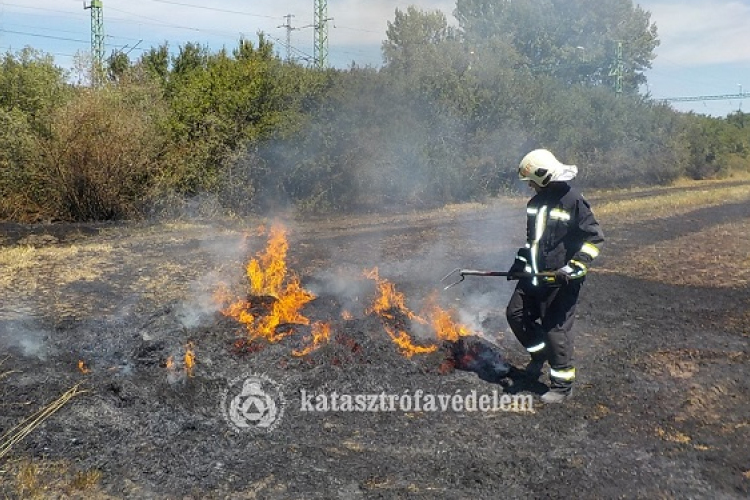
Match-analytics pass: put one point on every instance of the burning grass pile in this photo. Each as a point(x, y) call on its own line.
point(269, 317)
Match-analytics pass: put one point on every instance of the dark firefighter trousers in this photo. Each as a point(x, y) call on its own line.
point(543, 315)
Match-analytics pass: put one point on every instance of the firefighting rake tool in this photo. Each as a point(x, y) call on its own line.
point(458, 275)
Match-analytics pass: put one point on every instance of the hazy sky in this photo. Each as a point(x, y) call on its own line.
point(705, 44)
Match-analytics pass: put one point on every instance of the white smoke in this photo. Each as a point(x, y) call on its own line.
point(25, 338)
point(226, 255)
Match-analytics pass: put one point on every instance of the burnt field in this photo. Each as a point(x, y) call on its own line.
point(138, 338)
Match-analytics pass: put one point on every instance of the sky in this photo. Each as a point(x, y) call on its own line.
point(704, 51)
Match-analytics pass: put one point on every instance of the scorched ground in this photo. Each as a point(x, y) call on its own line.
point(153, 321)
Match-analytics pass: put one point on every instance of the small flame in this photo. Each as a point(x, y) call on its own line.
point(389, 299)
point(346, 315)
point(189, 359)
point(170, 363)
point(443, 324)
point(321, 333)
point(82, 367)
point(389, 302)
point(404, 342)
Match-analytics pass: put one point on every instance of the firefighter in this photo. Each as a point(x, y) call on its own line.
point(562, 239)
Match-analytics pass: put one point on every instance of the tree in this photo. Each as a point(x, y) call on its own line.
point(573, 40)
point(117, 64)
point(156, 62)
point(31, 83)
point(414, 35)
point(191, 56)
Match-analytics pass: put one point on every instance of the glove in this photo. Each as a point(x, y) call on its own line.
point(571, 271)
point(518, 267)
point(520, 264)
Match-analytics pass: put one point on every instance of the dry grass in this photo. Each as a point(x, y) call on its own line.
point(717, 257)
point(667, 202)
point(16, 434)
point(19, 259)
point(53, 479)
point(4, 374)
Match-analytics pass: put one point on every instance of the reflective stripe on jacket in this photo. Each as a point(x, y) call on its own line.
point(561, 229)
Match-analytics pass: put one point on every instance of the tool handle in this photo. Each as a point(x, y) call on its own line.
point(474, 272)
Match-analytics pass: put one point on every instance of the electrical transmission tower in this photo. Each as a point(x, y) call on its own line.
point(289, 29)
point(618, 69)
point(320, 42)
point(97, 40)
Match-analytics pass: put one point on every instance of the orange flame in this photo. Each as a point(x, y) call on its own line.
point(189, 359)
point(170, 363)
point(268, 275)
point(404, 342)
point(82, 367)
point(388, 302)
point(268, 270)
point(321, 333)
point(443, 324)
point(389, 299)
point(346, 315)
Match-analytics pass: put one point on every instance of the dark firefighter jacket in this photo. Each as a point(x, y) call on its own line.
point(560, 231)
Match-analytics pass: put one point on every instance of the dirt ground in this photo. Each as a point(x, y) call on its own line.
point(660, 410)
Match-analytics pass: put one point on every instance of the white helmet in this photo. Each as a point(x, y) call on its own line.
point(541, 167)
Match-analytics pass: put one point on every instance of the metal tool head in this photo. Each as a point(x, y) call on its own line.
point(456, 276)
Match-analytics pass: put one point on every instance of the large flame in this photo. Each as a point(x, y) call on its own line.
point(268, 276)
point(276, 298)
point(267, 271)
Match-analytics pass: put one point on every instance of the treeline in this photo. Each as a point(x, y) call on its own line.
point(446, 119)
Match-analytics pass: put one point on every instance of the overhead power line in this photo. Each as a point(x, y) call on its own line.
point(51, 37)
point(214, 9)
point(723, 97)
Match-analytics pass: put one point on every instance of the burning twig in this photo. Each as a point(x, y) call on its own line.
point(188, 361)
point(27, 426)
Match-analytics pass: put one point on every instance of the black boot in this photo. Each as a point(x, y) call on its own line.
point(557, 395)
point(560, 390)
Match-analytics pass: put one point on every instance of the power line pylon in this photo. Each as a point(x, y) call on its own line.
point(618, 68)
point(320, 42)
point(289, 29)
point(97, 39)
